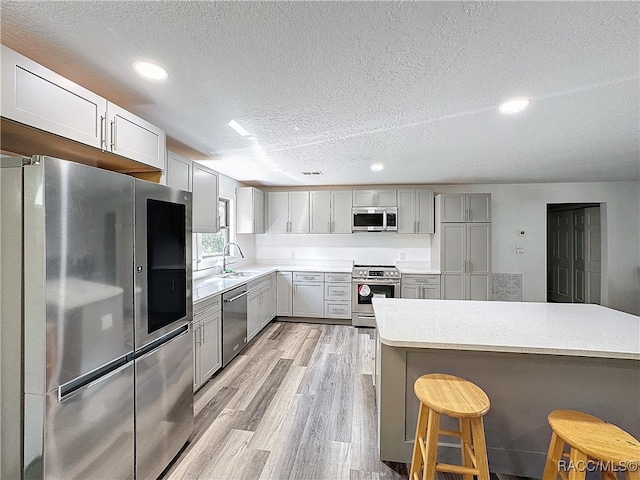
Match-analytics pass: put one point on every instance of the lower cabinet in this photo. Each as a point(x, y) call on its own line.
point(207, 354)
point(284, 294)
point(337, 295)
point(308, 294)
point(260, 304)
point(420, 286)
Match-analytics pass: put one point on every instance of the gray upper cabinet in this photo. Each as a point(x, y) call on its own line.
point(288, 212)
point(330, 211)
point(135, 138)
point(179, 172)
point(249, 210)
point(374, 198)
point(465, 207)
point(415, 211)
point(36, 96)
point(205, 199)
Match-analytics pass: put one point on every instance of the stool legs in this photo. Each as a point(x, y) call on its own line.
point(556, 447)
point(416, 460)
point(425, 449)
point(480, 447)
point(465, 436)
point(433, 430)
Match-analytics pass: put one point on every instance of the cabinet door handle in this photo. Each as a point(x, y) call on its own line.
point(329, 226)
point(203, 333)
point(103, 132)
point(113, 135)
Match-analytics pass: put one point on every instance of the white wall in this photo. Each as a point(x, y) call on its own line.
point(514, 207)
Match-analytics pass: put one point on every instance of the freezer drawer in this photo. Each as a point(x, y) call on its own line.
point(90, 433)
point(164, 403)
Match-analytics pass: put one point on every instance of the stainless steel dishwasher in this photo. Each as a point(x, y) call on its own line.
point(234, 323)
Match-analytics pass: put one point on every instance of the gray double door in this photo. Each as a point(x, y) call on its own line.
point(574, 254)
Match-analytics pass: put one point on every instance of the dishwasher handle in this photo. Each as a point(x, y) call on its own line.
point(232, 299)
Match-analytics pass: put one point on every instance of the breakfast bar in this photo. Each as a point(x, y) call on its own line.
point(530, 359)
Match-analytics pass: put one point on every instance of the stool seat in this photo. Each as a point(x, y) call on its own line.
point(593, 444)
point(451, 395)
point(593, 436)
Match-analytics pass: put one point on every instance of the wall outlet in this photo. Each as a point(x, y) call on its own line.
point(402, 256)
point(519, 250)
point(293, 254)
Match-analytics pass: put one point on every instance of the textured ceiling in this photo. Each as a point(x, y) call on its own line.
point(336, 86)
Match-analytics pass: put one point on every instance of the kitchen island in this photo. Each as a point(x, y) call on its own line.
point(530, 359)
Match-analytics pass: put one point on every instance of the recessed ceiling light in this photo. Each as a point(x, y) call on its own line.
point(514, 106)
point(150, 70)
point(376, 167)
point(236, 126)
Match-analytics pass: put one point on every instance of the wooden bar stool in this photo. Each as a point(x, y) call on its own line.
point(441, 394)
point(594, 445)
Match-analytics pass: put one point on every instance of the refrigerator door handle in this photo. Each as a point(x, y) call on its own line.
point(168, 338)
point(91, 379)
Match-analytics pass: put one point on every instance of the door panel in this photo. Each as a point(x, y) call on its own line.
point(453, 286)
point(164, 404)
point(454, 237)
point(593, 250)
point(84, 438)
point(479, 286)
point(478, 247)
point(560, 255)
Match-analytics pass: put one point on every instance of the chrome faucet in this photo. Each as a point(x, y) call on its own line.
point(224, 258)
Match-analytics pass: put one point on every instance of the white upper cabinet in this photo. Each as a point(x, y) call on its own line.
point(135, 138)
point(341, 202)
point(288, 212)
point(36, 96)
point(465, 207)
point(330, 212)
point(374, 198)
point(249, 210)
point(205, 199)
point(179, 172)
point(415, 211)
point(320, 212)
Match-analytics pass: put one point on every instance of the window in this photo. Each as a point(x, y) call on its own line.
point(208, 246)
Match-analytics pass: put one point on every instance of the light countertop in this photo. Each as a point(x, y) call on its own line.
point(519, 327)
point(206, 287)
point(407, 267)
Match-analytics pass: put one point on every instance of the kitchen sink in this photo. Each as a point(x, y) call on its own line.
point(239, 274)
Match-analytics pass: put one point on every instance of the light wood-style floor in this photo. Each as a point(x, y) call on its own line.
point(298, 403)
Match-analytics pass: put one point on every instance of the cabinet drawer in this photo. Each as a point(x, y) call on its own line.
point(421, 279)
point(258, 284)
point(337, 277)
point(337, 291)
point(337, 309)
point(209, 305)
point(308, 277)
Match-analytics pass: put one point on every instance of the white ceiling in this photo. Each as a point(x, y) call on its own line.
point(336, 86)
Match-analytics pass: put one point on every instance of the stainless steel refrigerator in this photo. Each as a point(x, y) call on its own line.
point(105, 302)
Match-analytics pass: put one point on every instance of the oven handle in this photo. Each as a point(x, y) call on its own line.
point(376, 281)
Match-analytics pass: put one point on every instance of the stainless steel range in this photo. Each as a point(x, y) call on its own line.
point(371, 281)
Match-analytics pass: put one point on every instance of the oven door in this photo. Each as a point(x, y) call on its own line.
point(364, 291)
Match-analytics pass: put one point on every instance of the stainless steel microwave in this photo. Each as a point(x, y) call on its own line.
point(374, 219)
